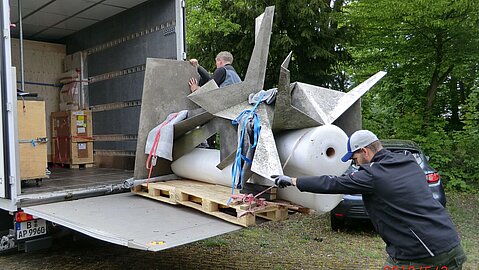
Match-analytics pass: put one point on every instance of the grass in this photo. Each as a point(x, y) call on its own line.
point(307, 242)
point(301, 242)
point(464, 209)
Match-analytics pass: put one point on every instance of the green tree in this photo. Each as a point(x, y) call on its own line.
point(306, 27)
point(465, 162)
point(430, 50)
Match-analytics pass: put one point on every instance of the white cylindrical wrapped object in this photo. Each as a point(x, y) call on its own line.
point(312, 151)
point(308, 152)
point(200, 164)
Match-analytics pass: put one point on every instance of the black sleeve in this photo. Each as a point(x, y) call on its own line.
point(219, 75)
point(204, 76)
point(360, 182)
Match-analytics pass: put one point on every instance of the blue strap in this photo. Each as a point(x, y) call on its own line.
point(243, 117)
point(246, 159)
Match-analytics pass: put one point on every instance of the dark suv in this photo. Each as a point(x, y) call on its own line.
point(352, 207)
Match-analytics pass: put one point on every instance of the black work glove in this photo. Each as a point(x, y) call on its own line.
point(282, 181)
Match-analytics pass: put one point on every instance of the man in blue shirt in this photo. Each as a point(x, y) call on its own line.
point(224, 75)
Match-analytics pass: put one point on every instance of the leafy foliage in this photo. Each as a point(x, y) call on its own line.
point(308, 28)
point(430, 50)
point(464, 163)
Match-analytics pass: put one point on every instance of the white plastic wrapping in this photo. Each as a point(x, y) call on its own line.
point(200, 164)
point(312, 151)
point(165, 143)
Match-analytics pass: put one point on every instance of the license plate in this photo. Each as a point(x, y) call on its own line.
point(30, 228)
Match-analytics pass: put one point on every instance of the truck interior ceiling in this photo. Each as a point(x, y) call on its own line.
point(79, 69)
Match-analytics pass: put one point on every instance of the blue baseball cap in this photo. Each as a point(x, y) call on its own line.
point(358, 140)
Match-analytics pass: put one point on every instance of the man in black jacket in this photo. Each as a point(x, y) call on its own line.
point(416, 228)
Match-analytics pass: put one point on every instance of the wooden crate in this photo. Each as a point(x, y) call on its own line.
point(67, 152)
point(72, 141)
point(210, 199)
point(82, 152)
point(76, 125)
point(32, 137)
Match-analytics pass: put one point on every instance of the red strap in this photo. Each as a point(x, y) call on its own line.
point(152, 155)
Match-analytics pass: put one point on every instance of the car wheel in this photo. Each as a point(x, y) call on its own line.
point(336, 224)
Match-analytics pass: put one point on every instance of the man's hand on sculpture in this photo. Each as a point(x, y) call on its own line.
point(282, 181)
point(193, 83)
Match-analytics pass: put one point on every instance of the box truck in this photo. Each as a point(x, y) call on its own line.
point(97, 49)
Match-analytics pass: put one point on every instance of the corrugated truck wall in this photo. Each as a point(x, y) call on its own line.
point(116, 50)
point(43, 64)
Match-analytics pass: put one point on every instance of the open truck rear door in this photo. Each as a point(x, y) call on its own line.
point(150, 225)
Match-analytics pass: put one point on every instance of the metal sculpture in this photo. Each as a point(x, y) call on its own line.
point(211, 109)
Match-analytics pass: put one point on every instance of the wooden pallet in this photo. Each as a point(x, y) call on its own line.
point(210, 199)
point(77, 166)
point(81, 166)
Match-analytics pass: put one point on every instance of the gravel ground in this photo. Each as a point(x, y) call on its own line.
point(302, 242)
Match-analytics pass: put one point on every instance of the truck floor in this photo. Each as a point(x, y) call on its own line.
point(63, 179)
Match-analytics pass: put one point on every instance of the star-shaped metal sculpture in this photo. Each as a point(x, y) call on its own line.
point(297, 106)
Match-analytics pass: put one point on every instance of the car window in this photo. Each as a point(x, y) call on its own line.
point(420, 159)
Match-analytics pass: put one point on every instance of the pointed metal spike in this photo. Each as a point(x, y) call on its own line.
point(214, 100)
point(286, 116)
point(286, 61)
point(354, 95)
point(227, 161)
point(195, 118)
point(266, 159)
point(314, 101)
point(258, 62)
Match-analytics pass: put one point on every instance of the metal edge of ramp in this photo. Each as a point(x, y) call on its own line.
point(133, 221)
